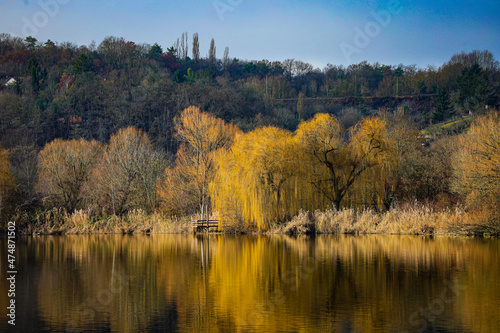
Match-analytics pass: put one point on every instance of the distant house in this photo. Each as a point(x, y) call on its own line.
point(75, 120)
point(72, 120)
point(11, 82)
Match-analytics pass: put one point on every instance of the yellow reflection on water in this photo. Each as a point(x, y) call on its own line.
point(259, 283)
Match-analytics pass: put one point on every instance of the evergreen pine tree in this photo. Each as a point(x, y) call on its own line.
point(443, 107)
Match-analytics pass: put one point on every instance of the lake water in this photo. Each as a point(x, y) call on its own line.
point(202, 283)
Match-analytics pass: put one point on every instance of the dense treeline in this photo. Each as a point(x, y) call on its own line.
point(269, 175)
point(98, 104)
point(69, 91)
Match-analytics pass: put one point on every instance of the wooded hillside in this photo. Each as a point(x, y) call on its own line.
point(67, 92)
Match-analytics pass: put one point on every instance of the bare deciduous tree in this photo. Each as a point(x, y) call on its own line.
point(129, 172)
point(64, 169)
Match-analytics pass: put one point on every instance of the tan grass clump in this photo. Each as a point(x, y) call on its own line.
point(410, 219)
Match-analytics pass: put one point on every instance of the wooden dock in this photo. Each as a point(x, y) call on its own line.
point(205, 225)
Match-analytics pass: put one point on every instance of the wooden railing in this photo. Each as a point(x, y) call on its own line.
point(202, 225)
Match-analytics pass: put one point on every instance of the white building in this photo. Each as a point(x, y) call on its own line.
point(11, 82)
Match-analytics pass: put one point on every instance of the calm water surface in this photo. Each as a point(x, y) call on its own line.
point(189, 283)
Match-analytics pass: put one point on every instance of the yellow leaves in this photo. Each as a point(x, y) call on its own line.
point(369, 139)
point(335, 164)
point(254, 178)
point(476, 169)
point(179, 190)
point(203, 132)
point(320, 134)
point(270, 174)
point(477, 164)
point(203, 137)
point(267, 149)
point(6, 179)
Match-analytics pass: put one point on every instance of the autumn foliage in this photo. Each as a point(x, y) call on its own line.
point(255, 179)
point(477, 170)
point(313, 139)
point(269, 174)
point(6, 179)
point(185, 187)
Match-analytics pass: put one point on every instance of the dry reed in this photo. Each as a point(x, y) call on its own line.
point(58, 221)
point(409, 220)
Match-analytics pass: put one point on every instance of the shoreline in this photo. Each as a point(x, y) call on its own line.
point(417, 221)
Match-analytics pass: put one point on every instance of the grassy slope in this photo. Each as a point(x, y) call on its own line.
point(447, 126)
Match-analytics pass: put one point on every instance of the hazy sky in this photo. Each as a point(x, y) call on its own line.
point(320, 32)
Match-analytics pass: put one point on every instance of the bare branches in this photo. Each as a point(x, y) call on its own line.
point(129, 171)
point(341, 163)
point(186, 184)
point(64, 169)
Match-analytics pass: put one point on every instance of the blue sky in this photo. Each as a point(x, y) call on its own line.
point(320, 32)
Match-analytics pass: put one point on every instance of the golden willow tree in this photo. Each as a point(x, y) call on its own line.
point(255, 179)
point(332, 164)
point(269, 174)
point(185, 186)
point(405, 144)
point(381, 153)
point(477, 170)
point(6, 178)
